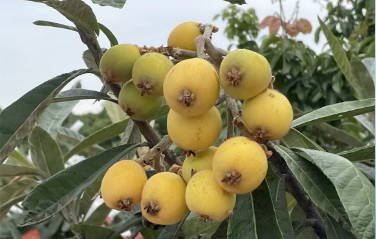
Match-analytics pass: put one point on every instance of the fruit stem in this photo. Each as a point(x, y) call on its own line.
point(155, 156)
point(238, 120)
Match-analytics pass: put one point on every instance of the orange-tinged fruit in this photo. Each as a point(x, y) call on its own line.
point(239, 165)
point(244, 74)
point(122, 185)
point(163, 199)
point(268, 115)
point(138, 107)
point(149, 73)
point(191, 87)
point(207, 199)
point(194, 132)
point(183, 36)
point(202, 160)
point(117, 63)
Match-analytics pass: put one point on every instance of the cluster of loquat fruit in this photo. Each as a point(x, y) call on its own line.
point(211, 176)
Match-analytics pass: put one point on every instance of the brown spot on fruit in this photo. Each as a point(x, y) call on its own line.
point(125, 204)
point(152, 208)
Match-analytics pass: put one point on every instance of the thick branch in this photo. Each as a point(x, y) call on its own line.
point(296, 190)
point(168, 51)
point(221, 99)
point(152, 137)
point(205, 46)
point(155, 156)
point(238, 120)
point(230, 125)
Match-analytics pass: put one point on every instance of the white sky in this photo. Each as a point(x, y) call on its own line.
point(32, 54)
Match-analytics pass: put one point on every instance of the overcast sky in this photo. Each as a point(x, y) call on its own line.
point(32, 54)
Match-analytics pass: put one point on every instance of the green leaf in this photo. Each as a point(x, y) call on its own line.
point(162, 112)
point(87, 198)
point(54, 24)
point(89, 61)
point(365, 153)
point(242, 223)
point(4, 208)
point(149, 233)
point(370, 65)
point(365, 86)
point(45, 200)
point(82, 94)
point(111, 3)
point(45, 152)
point(301, 232)
point(296, 139)
point(267, 224)
point(255, 216)
point(15, 189)
point(99, 215)
point(365, 120)
point(101, 135)
point(356, 192)
point(368, 171)
point(334, 229)
point(78, 12)
point(339, 54)
point(173, 231)
point(71, 138)
point(239, 2)
point(194, 225)
point(20, 159)
point(108, 34)
point(92, 231)
point(131, 135)
point(365, 83)
point(131, 222)
point(114, 111)
point(338, 135)
point(315, 184)
point(11, 194)
point(277, 191)
point(54, 116)
point(7, 170)
point(336, 112)
point(18, 118)
point(221, 232)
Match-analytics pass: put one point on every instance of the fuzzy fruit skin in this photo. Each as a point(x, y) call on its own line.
point(125, 179)
point(199, 77)
point(168, 191)
point(152, 69)
point(196, 132)
point(183, 36)
point(255, 69)
point(117, 62)
point(270, 112)
point(202, 160)
point(244, 156)
point(136, 106)
point(207, 199)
